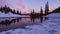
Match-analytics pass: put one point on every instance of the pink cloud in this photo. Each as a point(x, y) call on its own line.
point(17, 4)
point(22, 4)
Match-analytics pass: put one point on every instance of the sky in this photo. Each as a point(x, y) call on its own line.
point(26, 5)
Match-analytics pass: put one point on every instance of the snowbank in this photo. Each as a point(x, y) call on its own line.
point(11, 15)
point(54, 15)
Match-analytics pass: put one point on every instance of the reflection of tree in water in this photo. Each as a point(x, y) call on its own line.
point(19, 23)
point(41, 19)
point(8, 22)
point(33, 19)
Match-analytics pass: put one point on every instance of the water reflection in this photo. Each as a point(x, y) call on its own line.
point(19, 22)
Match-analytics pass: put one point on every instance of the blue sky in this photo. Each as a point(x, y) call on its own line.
point(30, 4)
point(38, 3)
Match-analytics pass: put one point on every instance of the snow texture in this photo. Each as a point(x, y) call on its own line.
point(51, 26)
point(12, 15)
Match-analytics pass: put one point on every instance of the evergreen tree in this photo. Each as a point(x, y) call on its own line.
point(13, 12)
point(17, 11)
point(41, 12)
point(6, 9)
point(46, 8)
point(1, 9)
point(33, 12)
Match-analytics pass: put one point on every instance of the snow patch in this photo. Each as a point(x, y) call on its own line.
point(12, 15)
point(54, 15)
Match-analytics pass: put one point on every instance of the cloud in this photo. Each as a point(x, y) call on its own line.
point(2, 2)
point(22, 4)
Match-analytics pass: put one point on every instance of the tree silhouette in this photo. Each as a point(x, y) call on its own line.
point(6, 9)
point(41, 14)
point(14, 12)
point(1, 9)
point(32, 13)
point(46, 8)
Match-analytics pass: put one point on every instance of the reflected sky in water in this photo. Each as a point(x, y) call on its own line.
point(14, 23)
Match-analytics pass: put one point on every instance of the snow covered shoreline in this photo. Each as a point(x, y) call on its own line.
point(51, 26)
point(53, 15)
point(11, 15)
point(48, 27)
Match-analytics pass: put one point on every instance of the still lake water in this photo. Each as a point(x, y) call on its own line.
point(14, 23)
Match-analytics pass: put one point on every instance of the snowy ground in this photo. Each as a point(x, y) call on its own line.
point(54, 15)
point(50, 26)
point(12, 15)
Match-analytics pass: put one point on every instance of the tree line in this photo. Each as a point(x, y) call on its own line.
point(6, 10)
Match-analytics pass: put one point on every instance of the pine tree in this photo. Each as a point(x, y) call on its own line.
point(17, 11)
point(13, 12)
point(6, 9)
point(41, 12)
point(33, 11)
point(46, 8)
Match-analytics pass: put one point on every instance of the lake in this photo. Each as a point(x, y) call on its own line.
point(14, 23)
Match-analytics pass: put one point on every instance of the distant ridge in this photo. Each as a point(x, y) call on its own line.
point(56, 10)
